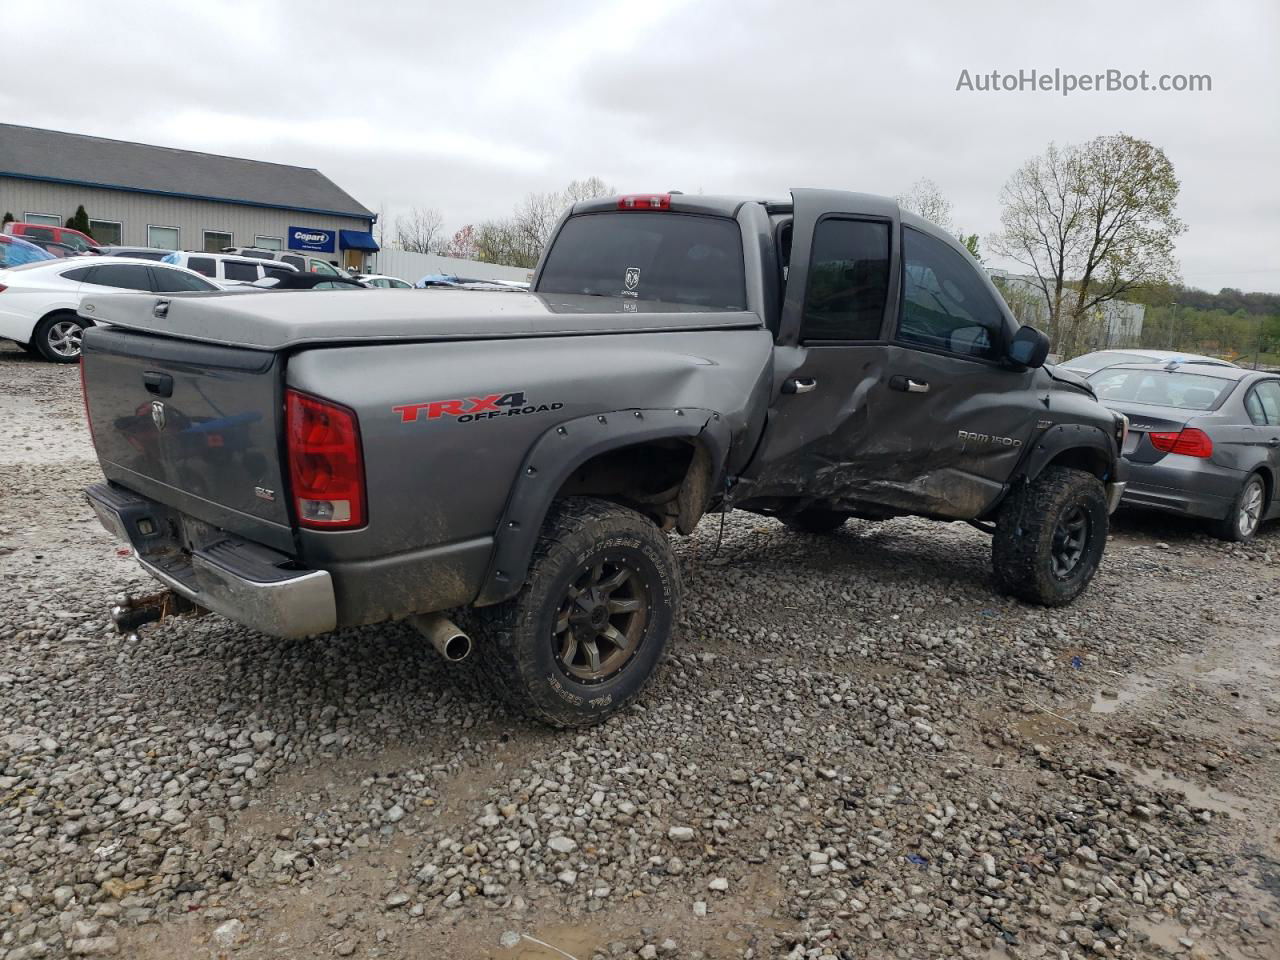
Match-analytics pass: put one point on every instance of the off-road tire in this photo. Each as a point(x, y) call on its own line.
point(1228, 528)
point(42, 340)
point(816, 520)
point(518, 636)
point(1022, 550)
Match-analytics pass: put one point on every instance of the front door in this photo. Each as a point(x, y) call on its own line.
point(894, 396)
point(354, 260)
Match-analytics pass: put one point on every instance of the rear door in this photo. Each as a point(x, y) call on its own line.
point(890, 392)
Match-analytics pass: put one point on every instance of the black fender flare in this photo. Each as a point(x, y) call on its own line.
point(561, 450)
point(1068, 436)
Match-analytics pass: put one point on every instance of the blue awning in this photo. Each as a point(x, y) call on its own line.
point(357, 240)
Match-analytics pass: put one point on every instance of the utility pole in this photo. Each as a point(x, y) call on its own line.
point(1173, 323)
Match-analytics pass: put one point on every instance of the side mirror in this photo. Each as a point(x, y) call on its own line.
point(1029, 347)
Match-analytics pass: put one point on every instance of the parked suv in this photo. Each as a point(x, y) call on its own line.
point(83, 243)
point(227, 269)
point(387, 457)
point(299, 261)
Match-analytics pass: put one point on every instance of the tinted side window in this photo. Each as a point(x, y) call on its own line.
point(201, 265)
point(273, 270)
point(79, 273)
point(848, 281)
point(178, 281)
point(328, 270)
point(1269, 398)
point(945, 305)
point(38, 233)
point(295, 262)
point(126, 276)
point(235, 270)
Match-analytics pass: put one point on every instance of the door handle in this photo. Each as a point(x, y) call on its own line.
point(907, 385)
point(800, 385)
point(1274, 442)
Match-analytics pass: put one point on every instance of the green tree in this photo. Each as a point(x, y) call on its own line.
point(8, 218)
point(80, 221)
point(970, 241)
point(1092, 222)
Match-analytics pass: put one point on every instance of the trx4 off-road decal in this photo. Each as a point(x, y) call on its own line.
point(472, 409)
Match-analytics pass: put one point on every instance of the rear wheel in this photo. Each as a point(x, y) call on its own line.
point(1245, 515)
point(816, 520)
point(581, 639)
point(1050, 536)
point(57, 337)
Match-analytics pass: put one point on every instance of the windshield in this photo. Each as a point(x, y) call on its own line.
point(1103, 358)
point(1183, 391)
point(672, 257)
point(14, 254)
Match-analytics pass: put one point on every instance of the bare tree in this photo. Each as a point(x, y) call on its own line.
point(518, 241)
point(422, 231)
point(463, 244)
point(1091, 222)
point(926, 199)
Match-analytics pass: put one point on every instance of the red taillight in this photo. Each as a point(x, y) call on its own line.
point(645, 201)
point(1189, 442)
point(325, 466)
point(3, 288)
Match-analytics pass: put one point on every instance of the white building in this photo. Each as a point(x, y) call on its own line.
point(147, 196)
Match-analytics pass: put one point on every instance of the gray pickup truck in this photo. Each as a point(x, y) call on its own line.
point(301, 462)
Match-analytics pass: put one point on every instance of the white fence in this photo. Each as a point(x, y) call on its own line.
point(414, 266)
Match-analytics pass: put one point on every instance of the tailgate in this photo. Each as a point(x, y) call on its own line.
point(193, 425)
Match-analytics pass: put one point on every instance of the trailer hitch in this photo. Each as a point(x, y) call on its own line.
point(132, 612)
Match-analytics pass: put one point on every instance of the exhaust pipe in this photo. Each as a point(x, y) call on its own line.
point(445, 635)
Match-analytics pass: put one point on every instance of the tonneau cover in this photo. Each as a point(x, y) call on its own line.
point(269, 320)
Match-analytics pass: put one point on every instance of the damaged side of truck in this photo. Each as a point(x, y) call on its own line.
point(301, 462)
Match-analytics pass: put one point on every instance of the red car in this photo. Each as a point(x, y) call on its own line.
point(82, 242)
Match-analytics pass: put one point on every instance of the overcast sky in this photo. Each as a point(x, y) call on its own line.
point(468, 106)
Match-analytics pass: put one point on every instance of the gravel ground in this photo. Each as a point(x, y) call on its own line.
point(855, 749)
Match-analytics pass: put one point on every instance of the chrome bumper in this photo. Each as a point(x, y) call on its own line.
point(1114, 492)
point(244, 581)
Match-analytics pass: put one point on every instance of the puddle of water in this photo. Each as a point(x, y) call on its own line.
point(1199, 798)
point(1129, 690)
point(558, 943)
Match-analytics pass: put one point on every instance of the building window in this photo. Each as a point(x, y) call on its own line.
point(215, 240)
point(44, 219)
point(268, 243)
point(165, 238)
point(106, 231)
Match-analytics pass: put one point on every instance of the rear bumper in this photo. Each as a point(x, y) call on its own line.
point(244, 581)
point(1186, 485)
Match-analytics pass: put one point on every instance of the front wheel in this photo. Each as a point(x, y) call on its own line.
point(1245, 516)
point(1050, 535)
point(57, 337)
point(581, 639)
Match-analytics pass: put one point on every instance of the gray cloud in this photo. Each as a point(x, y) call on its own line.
point(467, 107)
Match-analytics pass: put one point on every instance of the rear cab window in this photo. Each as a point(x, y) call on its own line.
point(668, 257)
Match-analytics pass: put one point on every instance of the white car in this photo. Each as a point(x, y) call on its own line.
point(40, 302)
point(382, 280)
point(228, 269)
